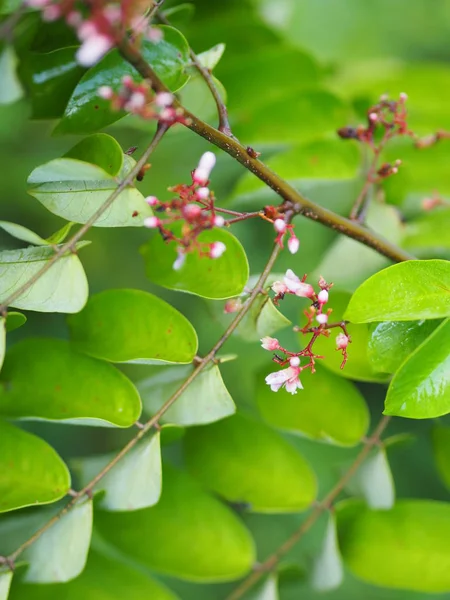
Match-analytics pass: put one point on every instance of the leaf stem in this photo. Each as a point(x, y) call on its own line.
point(272, 561)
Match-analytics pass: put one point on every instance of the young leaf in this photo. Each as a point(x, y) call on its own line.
point(409, 291)
point(216, 278)
point(5, 583)
point(133, 326)
point(14, 320)
point(374, 482)
point(358, 366)
point(203, 540)
point(205, 400)
point(11, 89)
point(63, 288)
point(74, 189)
point(420, 388)
point(246, 461)
point(329, 408)
point(441, 448)
point(262, 319)
point(60, 553)
point(31, 471)
point(267, 591)
point(109, 577)
point(328, 572)
point(22, 233)
point(48, 379)
point(210, 58)
point(391, 342)
point(405, 547)
point(86, 112)
point(134, 483)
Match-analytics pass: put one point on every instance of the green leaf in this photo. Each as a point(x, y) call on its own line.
point(75, 190)
point(60, 235)
point(48, 379)
point(412, 290)
point(358, 365)
point(50, 79)
point(405, 547)
point(86, 112)
point(134, 483)
point(60, 553)
point(327, 571)
point(111, 578)
point(441, 448)
point(22, 233)
point(99, 149)
point(329, 408)
point(14, 320)
point(205, 400)
point(209, 58)
point(246, 461)
point(133, 326)
point(261, 320)
point(421, 387)
point(428, 232)
point(5, 583)
point(391, 342)
point(348, 262)
point(2, 340)
point(31, 471)
point(374, 482)
point(216, 278)
point(63, 288)
point(203, 540)
point(11, 89)
point(267, 591)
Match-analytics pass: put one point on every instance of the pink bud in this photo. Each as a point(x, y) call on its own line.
point(342, 341)
point(51, 13)
point(136, 102)
point(164, 99)
point(219, 221)
point(152, 222)
point(293, 244)
point(217, 249)
point(93, 49)
point(155, 35)
point(270, 343)
point(127, 81)
point(233, 305)
point(205, 166)
point(152, 200)
point(322, 318)
point(323, 297)
point(74, 19)
point(105, 92)
point(403, 97)
point(294, 361)
point(280, 225)
point(202, 193)
point(373, 117)
point(192, 211)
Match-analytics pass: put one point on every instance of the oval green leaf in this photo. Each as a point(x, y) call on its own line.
point(203, 540)
point(99, 149)
point(86, 112)
point(409, 291)
point(133, 326)
point(244, 460)
point(329, 408)
point(405, 547)
point(421, 387)
point(441, 448)
point(204, 401)
point(31, 472)
point(217, 278)
point(63, 288)
point(262, 319)
point(48, 379)
point(134, 482)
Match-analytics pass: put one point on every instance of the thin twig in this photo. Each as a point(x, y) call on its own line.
point(145, 428)
point(272, 561)
point(70, 245)
point(294, 200)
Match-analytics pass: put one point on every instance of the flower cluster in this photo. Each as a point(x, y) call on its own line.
point(289, 377)
point(278, 219)
point(139, 99)
point(106, 23)
point(194, 207)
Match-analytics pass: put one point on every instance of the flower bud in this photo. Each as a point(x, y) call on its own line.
point(293, 244)
point(322, 318)
point(219, 221)
point(205, 166)
point(152, 222)
point(164, 99)
point(294, 361)
point(202, 193)
point(217, 249)
point(342, 341)
point(323, 297)
point(105, 92)
point(270, 343)
point(152, 200)
point(279, 225)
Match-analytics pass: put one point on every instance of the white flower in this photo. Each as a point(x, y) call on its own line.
point(288, 377)
point(205, 166)
point(279, 288)
point(296, 286)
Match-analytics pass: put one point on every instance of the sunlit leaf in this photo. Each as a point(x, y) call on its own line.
point(421, 387)
point(268, 590)
point(209, 58)
point(328, 572)
point(205, 400)
point(428, 232)
point(133, 326)
point(374, 482)
point(329, 408)
point(47, 379)
point(203, 540)
point(11, 88)
point(31, 471)
point(63, 288)
point(5, 583)
point(246, 461)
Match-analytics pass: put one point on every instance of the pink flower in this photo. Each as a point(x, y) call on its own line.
point(294, 361)
point(269, 343)
point(152, 200)
point(202, 193)
point(293, 244)
point(93, 48)
point(205, 166)
point(152, 222)
point(279, 288)
point(279, 225)
point(164, 99)
point(296, 286)
point(323, 297)
point(342, 341)
point(287, 377)
point(105, 92)
point(219, 221)
point(322, 318)
point(217, 249)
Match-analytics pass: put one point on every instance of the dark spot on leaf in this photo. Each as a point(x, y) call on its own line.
point(135, 213)
point(57, 388)
point(96, 107)
point(169, 330)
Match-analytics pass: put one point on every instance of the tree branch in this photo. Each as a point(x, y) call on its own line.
point(296, 201)
point(145, 428)
point(272, 561)
point(70, 245)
